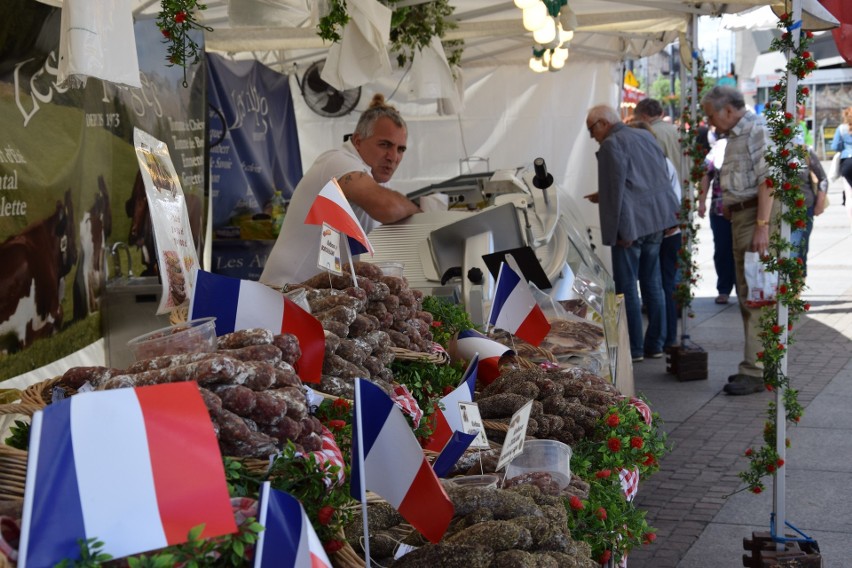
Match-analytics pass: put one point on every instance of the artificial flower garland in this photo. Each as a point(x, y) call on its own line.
point(687, 265)
point(175, 20)
point(785, 161)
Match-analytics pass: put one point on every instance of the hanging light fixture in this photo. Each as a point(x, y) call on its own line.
point(535, 16)
point(547, 33)
point(525, 3)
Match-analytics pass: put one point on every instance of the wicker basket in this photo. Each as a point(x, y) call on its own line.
point(439, 358)
point(13, 472)
point(39, 394)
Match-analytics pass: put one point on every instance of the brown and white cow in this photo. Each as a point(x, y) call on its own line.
point(90, 278)
point(35, 263)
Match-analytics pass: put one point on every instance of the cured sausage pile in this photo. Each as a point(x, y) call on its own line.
point(492, 527)
point(363, 324)
point(249, 385)
point(566, 402)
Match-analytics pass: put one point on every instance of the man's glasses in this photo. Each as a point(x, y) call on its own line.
point(591, 127)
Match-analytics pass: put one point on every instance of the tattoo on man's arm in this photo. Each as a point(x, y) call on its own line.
point(349, 177)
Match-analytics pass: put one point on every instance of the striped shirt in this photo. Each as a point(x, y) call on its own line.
point(744, 168)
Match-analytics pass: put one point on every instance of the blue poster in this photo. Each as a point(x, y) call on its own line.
point(254, 147)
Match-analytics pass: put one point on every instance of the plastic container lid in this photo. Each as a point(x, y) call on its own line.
point(549, 456)
point(391, 268)
point(486, 481)
point(194, 336)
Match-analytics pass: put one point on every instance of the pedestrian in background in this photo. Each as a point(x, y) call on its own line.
point(636, 206)
point(842, 142)
point(723, 248)
point(747, 199)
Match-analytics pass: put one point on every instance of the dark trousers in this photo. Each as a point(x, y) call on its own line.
point(723, 254)
point(671, 275)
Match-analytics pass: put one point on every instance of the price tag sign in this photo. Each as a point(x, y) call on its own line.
point(472, 424)
point(329, 250)
point(513, 446)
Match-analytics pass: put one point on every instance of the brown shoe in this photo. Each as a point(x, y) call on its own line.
point(722, 299)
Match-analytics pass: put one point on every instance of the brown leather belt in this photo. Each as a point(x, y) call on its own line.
point(743, 205)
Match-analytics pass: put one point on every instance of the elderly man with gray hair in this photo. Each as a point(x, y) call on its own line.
point(636, 204)
point(747, 202)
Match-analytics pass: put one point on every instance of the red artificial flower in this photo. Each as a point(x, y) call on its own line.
point(166, 33)
point(776, 329)
point(601, 513)
point(799, 261)
point(809, 34)
point(650, 537)
point(780, 347)
point(447, 390)
point(603, 474)
point(800, 202)
point(805, 90)
point(797, 418)
point(324, 515)
point(637, 442)
point(786, 186)
point(748, 452)
point(786, 131)
point(337, 424)
point(605, 556)
point(757, 490)
point(180, 17)
point(341, 404)
point(650, 460)
point(760, 354)
point(769, 387)
point(776, 88)
point(613, 420)
point(806, 54)
point(614, 444)
point(807, 307)
point(788, 116)
point(785, 152)
point(790, 326)
point(436, 323)
point(810, 64)
point(332, 546)
point(770, 468)
point(800, 223)
point(783, 17)
point(575, 503)
point(769, 182)
point(780, 462)
point(782, 289)
point(793, 165)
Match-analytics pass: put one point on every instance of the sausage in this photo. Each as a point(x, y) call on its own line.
point(331, 301)
point(363, 324)
point(288, 344)
point(342, 314)
point(337, 328)
point(207, 372)
point(166, 361)
point(270, 407)
point(237, 398)
point(76, 377)
point(332, 341)
point(399, 339)
point(365, 269)
point(285, 430)
point(267, 353)
point(350, 351)
point(394, 283)
point(244, 338)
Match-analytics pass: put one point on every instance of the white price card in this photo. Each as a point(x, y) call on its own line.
point(514, 444)
point(329, 250)
point(472, 424)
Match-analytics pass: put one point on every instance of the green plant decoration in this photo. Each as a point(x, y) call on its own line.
point(175, 20)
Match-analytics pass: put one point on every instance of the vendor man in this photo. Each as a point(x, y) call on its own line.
point(361, 165)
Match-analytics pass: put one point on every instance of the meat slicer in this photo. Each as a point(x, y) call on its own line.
point(445, 252)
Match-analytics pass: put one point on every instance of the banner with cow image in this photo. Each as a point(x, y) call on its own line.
point(70, 185)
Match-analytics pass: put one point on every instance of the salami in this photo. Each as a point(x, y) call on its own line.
point(244, 338)
point(332, 341)
point(288, 344)
point(265, 352)
point(364, 269)
point(237, 398)
point(341, 314)
point(297, 404)
point(76, 377)
point(363, 324)
point(285, 430)
point(270, 407)
point(337, 328)
point(395, 284)
point(207, 372)
point(166, 361)
point(332, 301)
point(337, 386)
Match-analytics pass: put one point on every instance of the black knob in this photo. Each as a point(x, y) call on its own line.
point(542, 179)
point(475, 275)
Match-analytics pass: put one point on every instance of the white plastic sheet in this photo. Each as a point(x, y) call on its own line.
point(361, 55)
point(96, 40)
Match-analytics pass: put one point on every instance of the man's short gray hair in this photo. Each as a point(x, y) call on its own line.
point(378, 108)
point(721, 96)
point(603, 112)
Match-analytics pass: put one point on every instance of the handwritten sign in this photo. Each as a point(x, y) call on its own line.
point(329, 250)
point(514, 443)
point(472, 424)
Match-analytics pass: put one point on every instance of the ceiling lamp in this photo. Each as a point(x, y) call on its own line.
point(525, 3)
point(537, 65)
point(547, 33)
point(535, 16)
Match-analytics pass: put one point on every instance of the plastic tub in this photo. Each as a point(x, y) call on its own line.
point(487, 481)
point(543, 455)
point(194, 336)
point(391, 268)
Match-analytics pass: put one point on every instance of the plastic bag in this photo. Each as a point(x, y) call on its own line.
point(762, 285)
point(834, 168)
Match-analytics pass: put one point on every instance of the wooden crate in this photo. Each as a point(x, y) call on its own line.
point(687, 363)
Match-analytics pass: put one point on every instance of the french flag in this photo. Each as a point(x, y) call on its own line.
point(449, 420)
point(135, 468)
point(244, 304)
point(394, 465)
point(287, 540)
point(470, 343)
point(515, 310)
point(331, 207)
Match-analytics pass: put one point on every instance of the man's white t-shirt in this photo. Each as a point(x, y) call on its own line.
point(294, 257)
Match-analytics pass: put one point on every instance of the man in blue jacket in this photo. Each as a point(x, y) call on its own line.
point(636, 206)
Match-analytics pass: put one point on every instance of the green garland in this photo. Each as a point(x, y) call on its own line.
point(412, 28)
point(175, 20)
point(687, 265)
point(785, 162)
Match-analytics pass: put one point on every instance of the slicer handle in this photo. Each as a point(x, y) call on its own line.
point(542, 179)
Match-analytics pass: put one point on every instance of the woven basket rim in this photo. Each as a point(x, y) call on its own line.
point(35, 393)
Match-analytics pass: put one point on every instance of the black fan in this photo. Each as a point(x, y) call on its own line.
point(324, 99)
